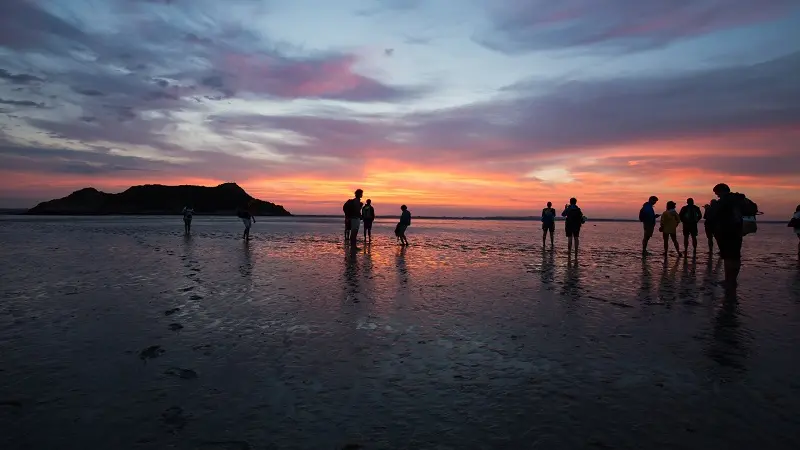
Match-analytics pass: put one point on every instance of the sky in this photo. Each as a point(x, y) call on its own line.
point(453, 107)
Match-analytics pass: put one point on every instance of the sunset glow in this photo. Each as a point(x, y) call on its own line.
point(453, 107)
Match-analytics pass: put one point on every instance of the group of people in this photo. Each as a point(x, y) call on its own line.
point(355, 212)
point(728, 218)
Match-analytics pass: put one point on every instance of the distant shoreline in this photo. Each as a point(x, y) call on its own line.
point(23, 212)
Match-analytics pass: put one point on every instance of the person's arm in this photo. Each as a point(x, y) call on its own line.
point(564, 213)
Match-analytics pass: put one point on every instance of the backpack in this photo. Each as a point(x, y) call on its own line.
point(575, 216)
point(744, 213)
point(642, 216)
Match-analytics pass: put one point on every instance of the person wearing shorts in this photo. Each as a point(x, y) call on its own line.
point(708, 225)
point(187, 219)
point(572, 224)
point(548, 224)
point(728, 232)
point(352, 213)
point(690, 216)
point(368, 216)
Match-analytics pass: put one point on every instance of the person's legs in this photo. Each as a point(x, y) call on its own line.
point(666, 244)
point(685, 239)
point(710, 237)
point(544, 235)
point(694, 241)
point(798, 245)
point(354, 225)
point(577, 243)
point(569, 242)
point(730, 249)
point(648, 233)
point(552, 236)
point(674, 237)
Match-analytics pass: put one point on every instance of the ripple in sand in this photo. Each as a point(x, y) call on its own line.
point(172, 311)
point(175, 326)
point(185, 374)
point(154, 351)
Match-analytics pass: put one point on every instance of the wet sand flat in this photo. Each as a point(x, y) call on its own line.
point(122, 333)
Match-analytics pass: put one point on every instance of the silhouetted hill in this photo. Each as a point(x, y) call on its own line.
point(157, 199)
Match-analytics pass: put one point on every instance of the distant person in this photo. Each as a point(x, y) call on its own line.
point(402, 226)
point(708, 224)
point(795, 223)
point(572, 224)
point(690, 216)
point(548, 224)
point(669, 227)
point(729, 227)
point(648, 216)
point(368, 216)
point(248, 220)
point(352, 214)
point(187, 219)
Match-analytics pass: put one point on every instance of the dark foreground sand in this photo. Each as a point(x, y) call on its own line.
point(124, 334)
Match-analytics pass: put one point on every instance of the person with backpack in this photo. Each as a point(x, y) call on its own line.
point(548, 224)
point(648, 216)
point(368, 216)
point(690, 216)
point(573, 220)
point(729, 216)
point(795, 223)
point(352, 214)
point(669, 227)
point(402, 226)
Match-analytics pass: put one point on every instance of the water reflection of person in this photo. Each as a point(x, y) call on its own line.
point(352, 271)
point(646, 284)
point(572, 279)
point(666, 288)
point(246, 267)
point(402, 270)
point(727, 347)
point(688, 285)
point(548, 266)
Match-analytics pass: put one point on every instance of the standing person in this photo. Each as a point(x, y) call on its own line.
point(690, 216)
point(795, 222)
point(368, 216)
point(708, 224)
point(727, 215)
point(248, 220)
point(405, 222)
point(572, 224)
point(548, 224)
point(352, 214)
point(669, 227)
point(648, 216)
point(187, 219)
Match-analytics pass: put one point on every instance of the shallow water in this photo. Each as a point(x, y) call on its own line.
point(123, 333)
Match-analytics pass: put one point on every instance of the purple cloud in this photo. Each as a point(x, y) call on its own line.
point(520, 26)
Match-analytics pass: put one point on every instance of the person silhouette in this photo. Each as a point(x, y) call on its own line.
point(548, 224)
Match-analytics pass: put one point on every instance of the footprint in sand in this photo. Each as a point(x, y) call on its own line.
point(175, 326)
point(172, 311)
point(185, 374)
point(186, 289)
point(196, 297)
point(226, 445)
point(174, 418)
point(154, 351)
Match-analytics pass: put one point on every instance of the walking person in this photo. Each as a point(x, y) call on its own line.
point(548, 224)
point(648, 216)
point(248, 220)
point(727, 215)
point(368, 216)
point(690, 216)
point(795, 223)
point(669, 227)
point(572, 224)
point(708, 224)
point(402, 226)
point(187, 219)
point(352, 214)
